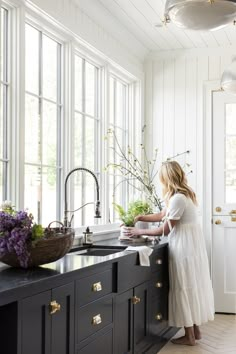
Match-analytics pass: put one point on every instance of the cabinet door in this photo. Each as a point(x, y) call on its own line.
point(35, 323)
point(140, 303)
point(123, 323)
point(62, 339)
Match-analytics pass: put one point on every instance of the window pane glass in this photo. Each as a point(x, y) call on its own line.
point(89, 144)
point(49, 137)
point(120, 104)
point(89, 197)
point(111, 101)
point(49, 199)
point(230, 153)
point(230, 119)
point(2, 43)
point(90, 89)
point(50, 68)
point(32, 130)
point(78, 83)
point(76, 183)
point(31, 59)
point(230, 186)
point(78, 136)
point(1, 121)
point(33, 190)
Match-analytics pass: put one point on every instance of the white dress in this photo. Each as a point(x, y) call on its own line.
point(191, 298)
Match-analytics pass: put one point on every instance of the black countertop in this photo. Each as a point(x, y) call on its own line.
point(16, 282)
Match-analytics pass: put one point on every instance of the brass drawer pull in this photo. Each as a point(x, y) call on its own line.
point(159, 284)
point(135, 300)
point(233, 211)
point(158, 261)
point(96, 320)
point(218, 209)
point(158, 317)
point(218, 222)
point(54, 307)
point(97, 286)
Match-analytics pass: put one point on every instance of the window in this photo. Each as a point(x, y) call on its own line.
point(86, 136)
point(43, 112)
point(118, 121)
point(4, 85)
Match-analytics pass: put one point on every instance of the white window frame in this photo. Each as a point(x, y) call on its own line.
point(59, 103)
point(28, 12)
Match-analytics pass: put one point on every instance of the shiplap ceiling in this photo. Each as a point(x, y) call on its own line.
point(134, 23)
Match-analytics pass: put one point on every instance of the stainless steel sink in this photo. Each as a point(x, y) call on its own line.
point(100, 252)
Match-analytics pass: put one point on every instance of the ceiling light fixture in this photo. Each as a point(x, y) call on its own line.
point(200, 14)
point(228, 79)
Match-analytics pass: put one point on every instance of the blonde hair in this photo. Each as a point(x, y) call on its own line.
point(174, 181)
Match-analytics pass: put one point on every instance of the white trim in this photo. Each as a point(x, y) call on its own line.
point(209, 87)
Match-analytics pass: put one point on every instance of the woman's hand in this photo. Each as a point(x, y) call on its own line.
point(132, 231)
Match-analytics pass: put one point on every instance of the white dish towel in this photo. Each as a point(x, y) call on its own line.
point(144, 253)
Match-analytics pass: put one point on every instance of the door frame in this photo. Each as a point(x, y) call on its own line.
point(209, 87)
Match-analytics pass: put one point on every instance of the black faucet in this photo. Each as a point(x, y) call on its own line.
point(97, 203)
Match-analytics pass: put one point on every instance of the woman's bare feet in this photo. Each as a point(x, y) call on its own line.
point(184, 340)
point(197, 333)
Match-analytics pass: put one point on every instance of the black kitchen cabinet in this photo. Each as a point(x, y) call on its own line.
point(47, 322)
point(140, 313)
point(86, 305)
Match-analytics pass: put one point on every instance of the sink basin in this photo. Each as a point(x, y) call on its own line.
point(98, 252)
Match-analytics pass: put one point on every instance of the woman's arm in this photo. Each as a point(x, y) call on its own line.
point(134, 231)
point(151, 217)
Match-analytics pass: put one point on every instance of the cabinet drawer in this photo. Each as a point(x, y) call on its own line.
point(102, 345)
point(158, 259)
point(93, 287)
point(94, 316)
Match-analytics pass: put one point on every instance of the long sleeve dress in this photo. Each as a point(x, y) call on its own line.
point(191, 298)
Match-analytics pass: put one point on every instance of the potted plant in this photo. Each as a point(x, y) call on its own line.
point(26, 244)
point(138, 207)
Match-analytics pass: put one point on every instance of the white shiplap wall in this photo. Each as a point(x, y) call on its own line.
point(175, 109)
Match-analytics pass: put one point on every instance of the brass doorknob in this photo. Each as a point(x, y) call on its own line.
point(54, 307)
point(136, 300)
point(158, 317)
point(159, 284)
point(218, 222)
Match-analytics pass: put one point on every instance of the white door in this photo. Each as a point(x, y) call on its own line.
point(224, 202)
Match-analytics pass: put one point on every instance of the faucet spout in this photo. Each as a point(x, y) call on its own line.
point(97, 205)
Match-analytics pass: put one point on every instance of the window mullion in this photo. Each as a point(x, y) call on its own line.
point(59, 122)
point(40, 129)
point(83, 178)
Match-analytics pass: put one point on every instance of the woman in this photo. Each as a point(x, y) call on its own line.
point(190, 296)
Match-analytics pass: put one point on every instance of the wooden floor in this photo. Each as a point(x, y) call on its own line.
point(218, 337)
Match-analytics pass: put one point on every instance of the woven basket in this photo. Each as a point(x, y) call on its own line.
point(57, 243)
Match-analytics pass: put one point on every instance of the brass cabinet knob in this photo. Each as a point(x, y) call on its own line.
point(135, 300)
point(54, 307)
point(232, 212)
point(96, 320)
point(97, 286)
point(158, 317)
point(158, 261)
point(159, 284)
point(218, 222)
point(218, 209)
